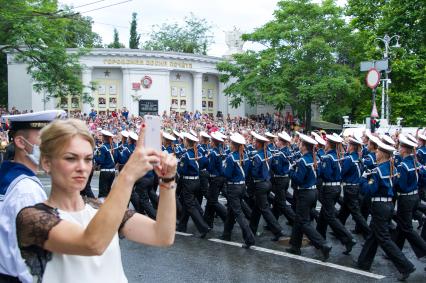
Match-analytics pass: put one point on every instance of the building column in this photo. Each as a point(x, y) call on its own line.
point(126, 95)
point(197, 92)
point(222, 100)
point(86, 79)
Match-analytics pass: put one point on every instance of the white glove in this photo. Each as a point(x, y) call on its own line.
point(365, 174)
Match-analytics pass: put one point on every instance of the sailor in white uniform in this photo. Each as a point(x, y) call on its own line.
point(20, 187)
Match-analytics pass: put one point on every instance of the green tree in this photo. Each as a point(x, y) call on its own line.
point(134, 36)
point(306, 60)
point(38, 33)
point(116, 42)
point(192, 37)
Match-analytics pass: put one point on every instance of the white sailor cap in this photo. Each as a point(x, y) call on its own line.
point(190, 137)
point(107, 133)
point(411, 138)
point(176, 133)
point(36, 120)
point(307, 139)
point(355, 140)
point(385, 147)
point(284, 136)
point(168, 136)
point(99, 129)
point(387, 139)
point(259, 137)
point(133, 136)
point(404, 141)
point(125, 134)
point(204, 135)
point(216, 136)
point(223, 136)
point(421, 136)
point(270, 135)
point(193, 133)
point(237, 138)
point(334, 138)
point(372, 138)
point(319, 139)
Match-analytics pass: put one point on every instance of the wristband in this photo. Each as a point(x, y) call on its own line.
point(167, 180)
point(168, 186)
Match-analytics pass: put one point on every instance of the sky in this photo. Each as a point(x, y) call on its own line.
point(222, 15)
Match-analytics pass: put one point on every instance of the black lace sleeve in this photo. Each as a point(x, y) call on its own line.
point(33, 225)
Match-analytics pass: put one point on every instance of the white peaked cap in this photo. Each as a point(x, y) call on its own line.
point(355, 140)
point(107, 133)
point(385, 147)
point(307, 139)
point(259, 137)
point(204, 135)
point(125, 134)
point(216, 136)
point(334, 138)
point(237, 138)
point(270, 135)
point(168, 136)
point(134, 136)
point(284, 136)
point(387, 139)
point(319, 139)
point(403, 140)
point(190, 137)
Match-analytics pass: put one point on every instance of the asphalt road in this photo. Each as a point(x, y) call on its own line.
point(192, 259)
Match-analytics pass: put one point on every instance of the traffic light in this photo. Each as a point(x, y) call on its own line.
point(377, 125)
point(374, 124)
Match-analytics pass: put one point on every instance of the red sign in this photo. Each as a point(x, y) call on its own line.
point(373, 78)
point(136, 86)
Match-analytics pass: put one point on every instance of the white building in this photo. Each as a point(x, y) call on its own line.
point(142, 81)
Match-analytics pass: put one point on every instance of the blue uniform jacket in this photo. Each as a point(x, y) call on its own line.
point(421, 155)
point(370, 160)
point(379, 183)
point(188, 165)
point(215, 164)
point(281, 162)
point(105, 158)
point(407, 177)
point(351, 169)
point(304, 176)
point(234, 171)
point(260, 169)
point(330, 169)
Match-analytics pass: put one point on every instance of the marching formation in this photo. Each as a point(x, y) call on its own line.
point(264, 174)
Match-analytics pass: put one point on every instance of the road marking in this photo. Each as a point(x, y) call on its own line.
point(305, 259)
point(183, 234)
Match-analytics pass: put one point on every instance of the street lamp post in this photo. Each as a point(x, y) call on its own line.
point(385, 82)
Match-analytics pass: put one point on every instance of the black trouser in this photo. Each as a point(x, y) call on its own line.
point(8, 279)
point(262, 207)
point(234, 196)
point(152, 192)
point(351, 206)
point(142, 187)
point(404, 229)
point(106, 178)
point(365, 203)
point(191, 206)
point(328, 197)
point(204, 186)
point(381, 215)
point(280, 187)
point(213, 205)
point(87, 191)
point(306, 200)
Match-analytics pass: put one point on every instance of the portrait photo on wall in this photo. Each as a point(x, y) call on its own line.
point(64, 103)
point(175, 103)
point(101, 102)
point(101, 89)
point(182, 92)
point(74, 102)
point(112, 102)
point(210, 93)
point(210, 105)
point(112, 89)
point(174, 91)
point(203, 93)
point(183, 103)
point(204, 104)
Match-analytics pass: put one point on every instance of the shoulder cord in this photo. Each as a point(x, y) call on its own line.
point(241, 152)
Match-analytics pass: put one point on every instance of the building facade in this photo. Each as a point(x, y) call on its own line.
point(142, 81)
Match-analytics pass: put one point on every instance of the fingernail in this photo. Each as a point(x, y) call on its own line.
point(143, 125)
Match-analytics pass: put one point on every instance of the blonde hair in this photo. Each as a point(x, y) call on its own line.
point(56, 135)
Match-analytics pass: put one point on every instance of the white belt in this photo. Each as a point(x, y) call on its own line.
point(236, 183)
point(331, 184)
point(213, 176)
point(309, 188)
point(107, 170)
point(280, 176)
point(258, 181)
point(349, 184)
point(191, 177)
point(383, 199)
point(408, 194)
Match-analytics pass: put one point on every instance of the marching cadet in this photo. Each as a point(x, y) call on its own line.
point(189, 171)
point(379, 185)
point(330, 172)
point(204, 150)
point(236, 168)
point(122, 145)
point(280, 180)
point(106, 156)
point(217, 180)
point(351, 176)
point(168, 143)
point(271, 145)
point(180, 147)
point(306, 195)
point(421, 158)
point(260, 171)
point(20, 187)
point(320, 146)
point(408, 199)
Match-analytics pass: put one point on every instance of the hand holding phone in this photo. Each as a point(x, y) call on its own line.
point(153, 132)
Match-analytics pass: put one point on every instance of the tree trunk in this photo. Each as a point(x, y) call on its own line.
point(308, 114)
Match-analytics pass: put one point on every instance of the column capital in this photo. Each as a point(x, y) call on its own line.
point(197, 74)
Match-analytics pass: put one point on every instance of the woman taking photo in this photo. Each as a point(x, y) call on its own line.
point(71, 239)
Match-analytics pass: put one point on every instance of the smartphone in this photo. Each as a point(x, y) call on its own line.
point(152, 132)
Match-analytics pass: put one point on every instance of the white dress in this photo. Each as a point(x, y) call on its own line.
point(72, 268)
